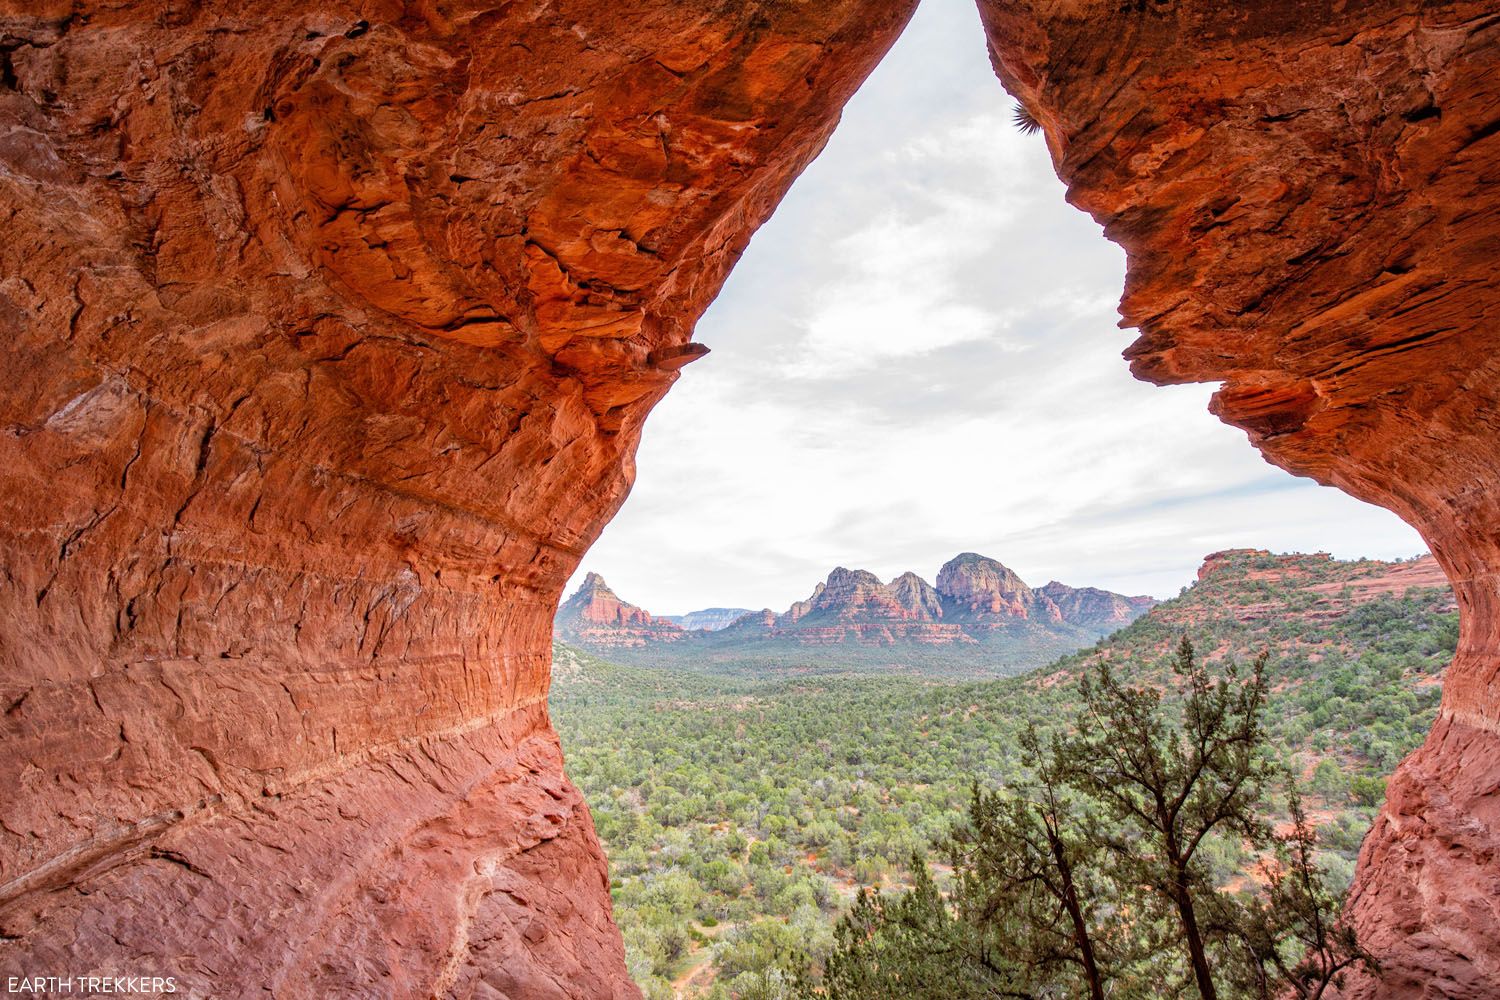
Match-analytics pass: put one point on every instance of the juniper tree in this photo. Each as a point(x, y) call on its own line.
point(1089, 877)
point(1169, 784)
point(917, 945)
point(1027, 860)
point(1293, 937)
point(1029, 914)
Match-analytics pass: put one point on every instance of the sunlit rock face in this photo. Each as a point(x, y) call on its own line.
point(328, 331)
point(328, 337)
point(596, 616)
point(1307, 193)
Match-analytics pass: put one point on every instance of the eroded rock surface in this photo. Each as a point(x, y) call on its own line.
point(329, 336)
point(596, 616)
point(328, 332)
point(1307, 193)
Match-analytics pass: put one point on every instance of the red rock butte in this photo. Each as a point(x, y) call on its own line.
point(328, 337)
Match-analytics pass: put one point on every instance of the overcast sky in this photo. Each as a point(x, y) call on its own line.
point(918, 356)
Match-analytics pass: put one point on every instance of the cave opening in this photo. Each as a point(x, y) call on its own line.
point(916, 356)
point(330, 334)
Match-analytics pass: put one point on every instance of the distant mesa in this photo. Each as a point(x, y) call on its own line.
point(709, 619)
point(979, 620)
point(979, 605)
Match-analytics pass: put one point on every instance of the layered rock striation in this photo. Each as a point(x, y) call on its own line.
point(328, 331)
point(328, 336)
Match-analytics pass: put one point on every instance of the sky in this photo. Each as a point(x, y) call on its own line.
point(918, 356)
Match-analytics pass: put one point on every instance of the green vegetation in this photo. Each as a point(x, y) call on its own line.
point(742, 812)
point(1004, 652)
point(1086, 877)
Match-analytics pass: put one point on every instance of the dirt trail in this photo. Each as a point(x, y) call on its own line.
point(702, 968)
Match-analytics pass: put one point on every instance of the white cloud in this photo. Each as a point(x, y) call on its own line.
point(918, 356)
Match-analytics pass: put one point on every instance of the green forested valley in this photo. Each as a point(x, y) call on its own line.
point(741, 810)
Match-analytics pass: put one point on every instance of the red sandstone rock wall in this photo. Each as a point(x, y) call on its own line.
point(1307, 192)
point(328, 331)
point(328, 337)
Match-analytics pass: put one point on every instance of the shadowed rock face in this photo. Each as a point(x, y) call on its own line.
point(1307, 195)
point(328, 338)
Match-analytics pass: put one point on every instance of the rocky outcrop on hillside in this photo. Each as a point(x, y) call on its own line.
point(1092, 606)
point(1216, 562)
point(594, 616)
point(1332, 586)
point(1273, 597)
point(976, 599)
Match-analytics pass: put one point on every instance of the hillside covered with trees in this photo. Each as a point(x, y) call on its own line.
point(742, 811)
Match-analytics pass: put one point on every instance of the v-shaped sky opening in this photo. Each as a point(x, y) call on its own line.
point(918, 356)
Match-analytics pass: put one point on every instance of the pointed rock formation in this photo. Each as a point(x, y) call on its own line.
point(916, 597)
point(977, 599)
point(852, 596)
point(801, 609)
point(595, 604)
point(594, 616)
